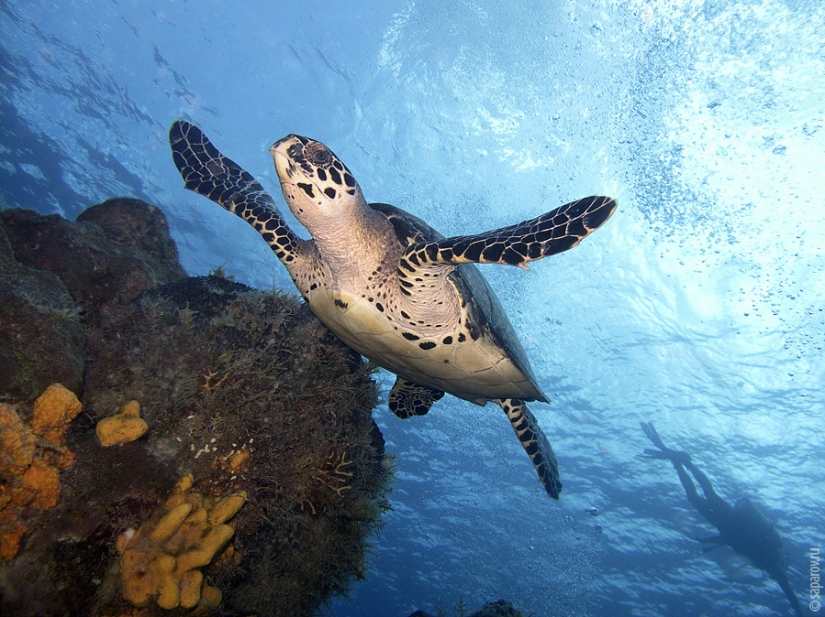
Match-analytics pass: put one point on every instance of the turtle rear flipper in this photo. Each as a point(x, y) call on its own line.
point(535, 443)
point(409, 399)
point(548, 234)
point(209, 173)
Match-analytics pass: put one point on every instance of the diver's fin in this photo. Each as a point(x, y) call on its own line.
point(677, 457)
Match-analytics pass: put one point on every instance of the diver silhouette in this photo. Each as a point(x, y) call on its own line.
point(742, 527)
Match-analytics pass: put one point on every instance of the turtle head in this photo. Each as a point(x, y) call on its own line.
point(317, 186)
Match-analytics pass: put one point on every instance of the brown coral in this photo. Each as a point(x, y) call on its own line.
point(31, 460)
point(164, 557)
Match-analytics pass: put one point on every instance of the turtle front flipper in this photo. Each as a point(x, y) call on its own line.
point(548, 234)
point(209, 173)
point(409, 399)
point(535, 443)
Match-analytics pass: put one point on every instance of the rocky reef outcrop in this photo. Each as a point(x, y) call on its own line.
point(500, 608)
point(113, 252)
point(242, 395)
point(41, 335)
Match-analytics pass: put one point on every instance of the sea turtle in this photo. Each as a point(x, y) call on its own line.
point(390, 286)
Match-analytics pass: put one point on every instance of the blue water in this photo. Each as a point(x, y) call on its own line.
point(700, 305)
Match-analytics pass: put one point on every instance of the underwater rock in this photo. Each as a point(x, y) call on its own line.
point(41, 338)
point(102, 264)
point(122, 427)
point(6, 251)
point(129, 222)
point(501, 608)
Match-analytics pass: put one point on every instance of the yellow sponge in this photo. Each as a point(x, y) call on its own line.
point(163, 558)
point(126, 425)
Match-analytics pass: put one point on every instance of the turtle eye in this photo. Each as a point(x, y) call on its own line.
point(321, 157)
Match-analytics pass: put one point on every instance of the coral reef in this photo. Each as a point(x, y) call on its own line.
point(122, 427)
point(245, 392)
point(164, 557)
point(257, 396)
point(32, 456)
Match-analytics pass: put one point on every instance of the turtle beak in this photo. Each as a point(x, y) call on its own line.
point(283, 164)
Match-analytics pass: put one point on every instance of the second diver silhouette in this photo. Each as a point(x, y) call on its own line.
point(742, 527)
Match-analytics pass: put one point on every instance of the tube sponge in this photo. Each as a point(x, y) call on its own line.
point(163, 558)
